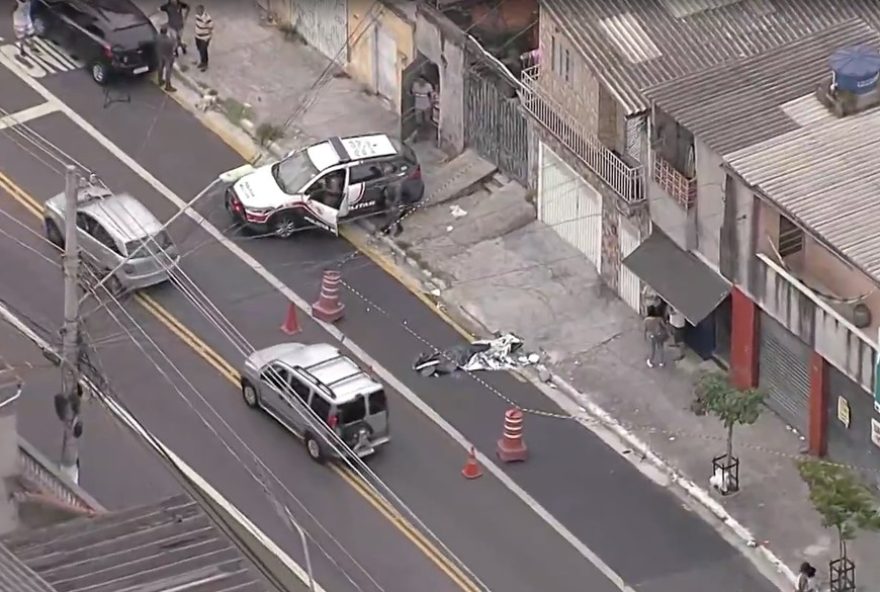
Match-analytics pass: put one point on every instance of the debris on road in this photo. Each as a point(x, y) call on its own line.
point(499, 353)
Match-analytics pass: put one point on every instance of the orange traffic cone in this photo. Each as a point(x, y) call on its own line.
point(472, 468)
point(291, 321)
point(329, 308)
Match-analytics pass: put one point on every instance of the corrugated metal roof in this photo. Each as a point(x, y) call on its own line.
point(826, 177)
point(621, 38)
point(15, 575)
point(735, 105)
point(169, 545)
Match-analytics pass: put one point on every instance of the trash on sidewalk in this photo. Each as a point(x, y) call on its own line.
point(500, 353)
point(457, 211)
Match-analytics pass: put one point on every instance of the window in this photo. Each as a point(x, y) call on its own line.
point(553, 52)
point(278, 377)
point(561, 61)
point(300, 388)
point(353, 411)
point(566, 66)
point(329, 189)
point(378, 402)
point(791, 238)
point(160, 241)
point(320, 406)
point(96, 231)
point(364, 173)
point(294, 172)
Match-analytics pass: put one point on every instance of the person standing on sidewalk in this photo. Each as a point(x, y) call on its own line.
point(23, 25)
point(677, 322)
point(423, 95)
point(204, 32)
point(165, 51)
point(176, 11)
point(656, 334)
point(806, 581)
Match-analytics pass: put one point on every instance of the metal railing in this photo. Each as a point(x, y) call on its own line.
point(37, 469)
point(625, 180)
point(676, 185)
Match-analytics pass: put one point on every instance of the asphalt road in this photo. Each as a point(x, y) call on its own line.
point(481, 521)
point(638, 528)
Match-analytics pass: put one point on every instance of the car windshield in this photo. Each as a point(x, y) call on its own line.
point(294, 172)
point(159, 241)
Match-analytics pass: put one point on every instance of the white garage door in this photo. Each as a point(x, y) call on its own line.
point(628, 284)
point(324, 25)
point(570, 206)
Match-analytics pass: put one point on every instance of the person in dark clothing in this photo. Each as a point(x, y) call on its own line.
point(399, 198)
point(177, 12)
point(165, 50)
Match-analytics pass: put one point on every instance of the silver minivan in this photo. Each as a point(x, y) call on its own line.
point(111, 228)
point(315, 391)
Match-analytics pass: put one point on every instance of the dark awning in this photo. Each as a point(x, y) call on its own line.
point(678, 276)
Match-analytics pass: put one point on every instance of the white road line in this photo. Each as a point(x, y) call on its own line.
point(28, 114)
point(303, 305)
point(65, 62)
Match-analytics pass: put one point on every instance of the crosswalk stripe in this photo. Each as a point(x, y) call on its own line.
point(60, 59)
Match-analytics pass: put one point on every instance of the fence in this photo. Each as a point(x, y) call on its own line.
point(494, 124)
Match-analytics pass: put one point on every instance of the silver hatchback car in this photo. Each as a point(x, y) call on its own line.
point(111, 228)
point(315, 391)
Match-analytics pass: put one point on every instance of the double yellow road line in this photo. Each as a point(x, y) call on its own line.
point(228, 371)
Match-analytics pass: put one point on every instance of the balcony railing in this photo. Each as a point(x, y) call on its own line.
point(625, 180)
point(675, 184)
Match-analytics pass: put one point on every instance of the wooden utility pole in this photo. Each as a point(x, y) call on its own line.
point(67, 403)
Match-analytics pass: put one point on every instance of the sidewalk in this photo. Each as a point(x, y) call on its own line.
point(497, 268)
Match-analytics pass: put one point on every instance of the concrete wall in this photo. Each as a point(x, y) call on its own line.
point(362, 31)
point(710, 202)
point(9, 469)
point(324, 25)
point(441, 42)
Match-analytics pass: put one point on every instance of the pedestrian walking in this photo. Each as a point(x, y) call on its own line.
point(165, 50)
point(176, 12)
point(656, 334)
point(23, 26)
point(423, 95)
point(204, 33)
point(398, 200)
point(677, 322)
point(806, 581)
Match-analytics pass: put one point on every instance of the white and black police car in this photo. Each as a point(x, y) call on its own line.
point(325, 185)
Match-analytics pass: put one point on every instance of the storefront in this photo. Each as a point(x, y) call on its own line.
point(852, 426)
point(784, 372)
point(686, 284)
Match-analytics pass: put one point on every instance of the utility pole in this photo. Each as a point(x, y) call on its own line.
point(67, 403)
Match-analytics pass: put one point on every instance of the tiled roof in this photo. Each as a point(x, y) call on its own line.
point(735, 105)
point(632, 45)
point(169, 545)
point(16, 576)
point(825, 176)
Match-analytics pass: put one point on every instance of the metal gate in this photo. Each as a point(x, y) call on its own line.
point(324, 25)
point(494, 124)
point(628, 284)
point(569, 205)
point(385, 61)
point(784, 373)
point(851, 419)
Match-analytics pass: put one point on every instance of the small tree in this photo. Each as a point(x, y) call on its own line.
point(732, 406)
point(840, 499)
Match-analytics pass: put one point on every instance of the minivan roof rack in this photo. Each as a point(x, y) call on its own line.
point(323, 363)
point(345, 378)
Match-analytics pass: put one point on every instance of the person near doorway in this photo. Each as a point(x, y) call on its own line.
point(204, 33)
point(423, 104)
point(806, 581)
point(677, 322)
point(176, 12)
point(165, 50)
point(399, 200)
point(656, 334)
point(23, 26)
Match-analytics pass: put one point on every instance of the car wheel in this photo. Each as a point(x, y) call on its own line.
point(284, 225)
point(53, 234)
point(313, 447)
point(100, 73)
point(41, 27)
point(249, 394)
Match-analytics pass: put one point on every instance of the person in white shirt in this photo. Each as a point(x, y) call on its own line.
point(806, 581)
point(677, 322)
point(204, 33)
point(23, 25)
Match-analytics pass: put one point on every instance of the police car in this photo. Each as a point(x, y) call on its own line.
point(325, 185)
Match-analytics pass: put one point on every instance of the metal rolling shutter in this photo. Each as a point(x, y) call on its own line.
point(784, 373)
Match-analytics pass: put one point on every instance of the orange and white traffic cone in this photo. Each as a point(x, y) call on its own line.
point(472, 468)
point(512, 447)
point(290, 326)
point(329, 308)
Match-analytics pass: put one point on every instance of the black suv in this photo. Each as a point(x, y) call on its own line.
point(113, 37)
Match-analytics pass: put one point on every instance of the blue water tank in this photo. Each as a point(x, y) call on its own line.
point(856, 69)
